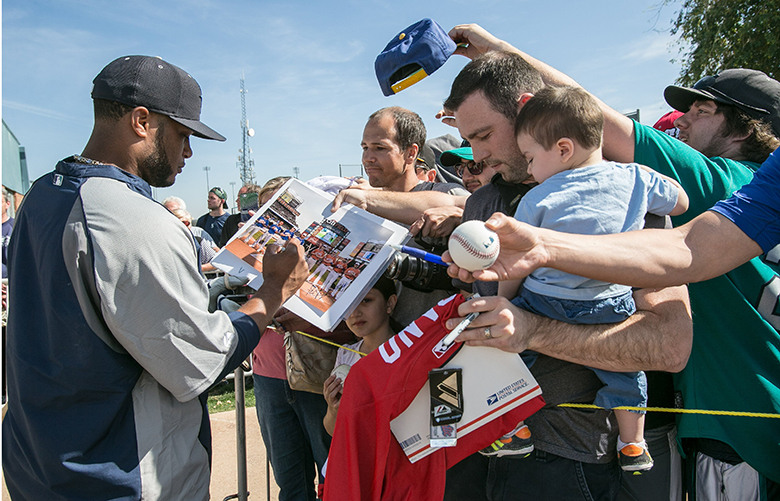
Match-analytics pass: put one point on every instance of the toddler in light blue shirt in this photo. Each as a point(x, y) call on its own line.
point(559, 132)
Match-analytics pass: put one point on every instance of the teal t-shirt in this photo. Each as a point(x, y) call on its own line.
point(735, 359)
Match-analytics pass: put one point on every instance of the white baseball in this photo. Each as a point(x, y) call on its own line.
point(341, 372)
point(473, 247)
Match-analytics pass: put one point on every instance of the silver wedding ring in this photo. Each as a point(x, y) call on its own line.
point(487, 333)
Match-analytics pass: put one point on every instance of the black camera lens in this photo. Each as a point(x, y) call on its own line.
point(418, 274)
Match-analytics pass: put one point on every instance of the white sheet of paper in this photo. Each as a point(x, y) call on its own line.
point(494, 382)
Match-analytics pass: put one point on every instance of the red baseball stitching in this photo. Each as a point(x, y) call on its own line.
point(471, 249)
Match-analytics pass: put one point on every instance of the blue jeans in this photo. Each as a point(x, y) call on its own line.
point(602, 311)
point(621, 388)
point(295, 440)
point(539, 476)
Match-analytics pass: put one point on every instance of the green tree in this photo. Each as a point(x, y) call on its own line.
point(716, 35)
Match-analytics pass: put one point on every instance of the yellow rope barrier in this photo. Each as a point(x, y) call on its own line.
point(591, 406)
point(281, 331)
point(332, 343)
point(680, 411)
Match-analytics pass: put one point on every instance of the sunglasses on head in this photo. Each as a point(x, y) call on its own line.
point(474, 168)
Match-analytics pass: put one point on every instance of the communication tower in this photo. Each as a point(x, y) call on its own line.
point(245, 162)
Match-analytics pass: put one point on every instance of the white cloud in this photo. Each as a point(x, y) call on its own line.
point(36, 110)
point(327, 48)
point(650, 47)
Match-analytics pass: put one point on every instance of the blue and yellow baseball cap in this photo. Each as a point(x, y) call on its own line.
point(412, 55)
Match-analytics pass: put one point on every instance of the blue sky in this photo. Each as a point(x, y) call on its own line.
point(308, 69)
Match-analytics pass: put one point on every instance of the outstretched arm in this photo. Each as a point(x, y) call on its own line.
point(402, 207)
point(657, 337)
point(618, 129)
point(704, 248)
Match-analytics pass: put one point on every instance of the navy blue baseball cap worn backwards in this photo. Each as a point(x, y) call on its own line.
point(412, 55)
point(156, 85)
point(751, 91)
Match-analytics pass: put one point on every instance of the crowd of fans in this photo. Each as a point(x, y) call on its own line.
point(119, 328)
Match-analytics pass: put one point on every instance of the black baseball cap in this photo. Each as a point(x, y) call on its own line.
point(751, 91)
point(157, 85)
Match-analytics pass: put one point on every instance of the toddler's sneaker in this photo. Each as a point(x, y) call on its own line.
point(519, 443)
point(634, 458)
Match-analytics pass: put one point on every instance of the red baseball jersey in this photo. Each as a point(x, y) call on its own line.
point(365, 461)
